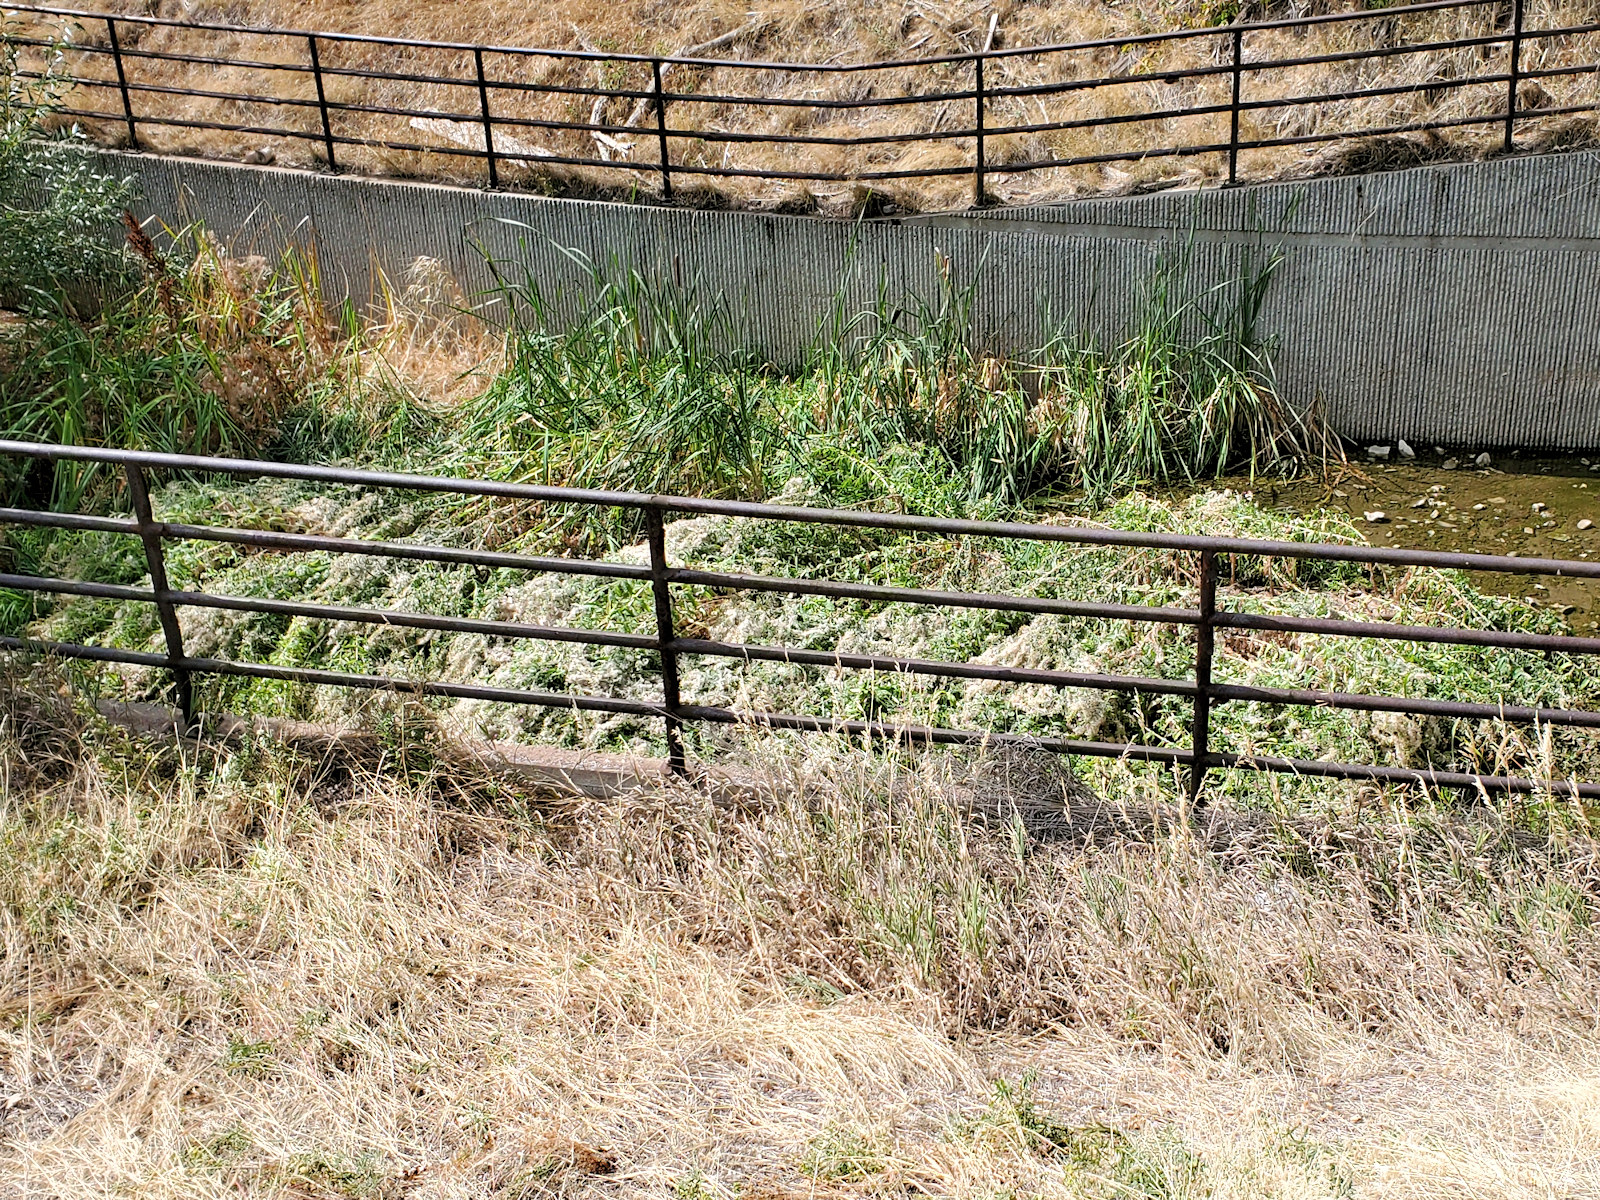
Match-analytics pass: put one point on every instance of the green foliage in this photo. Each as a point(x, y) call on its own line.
point(219, 1151)
point(843, 1154)
point(245, 1057)
point(1013, 1117)
point(693, 1186)
point(894, 405)
point(57, 213)
point(1104, 1160)
point(1189, 396)
point(356, 1177)
point(205, 356)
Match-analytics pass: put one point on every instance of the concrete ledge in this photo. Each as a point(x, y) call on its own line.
point(591, 774)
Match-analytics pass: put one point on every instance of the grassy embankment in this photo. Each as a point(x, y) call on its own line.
point(290, 973)
point(859, 32)
point(372, 971)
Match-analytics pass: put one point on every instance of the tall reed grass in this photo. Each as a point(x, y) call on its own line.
point(645, 386)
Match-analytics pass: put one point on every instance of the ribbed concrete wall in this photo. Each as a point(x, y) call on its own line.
point(1457, 304)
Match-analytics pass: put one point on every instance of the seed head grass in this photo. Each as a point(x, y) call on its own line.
point(281, 970)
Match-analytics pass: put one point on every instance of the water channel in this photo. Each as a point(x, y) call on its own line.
point(1517, 504)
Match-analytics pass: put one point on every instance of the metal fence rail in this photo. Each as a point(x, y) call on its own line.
point(1252, 79)
point(1203, 692)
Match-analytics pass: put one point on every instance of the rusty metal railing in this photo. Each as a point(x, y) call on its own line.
point(1246, 69)
point(675, 712)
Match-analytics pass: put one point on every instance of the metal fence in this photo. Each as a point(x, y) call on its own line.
point(1206, 618)
point(1241, 98)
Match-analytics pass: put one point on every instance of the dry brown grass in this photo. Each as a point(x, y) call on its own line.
point(794, 32)
point(260, 970)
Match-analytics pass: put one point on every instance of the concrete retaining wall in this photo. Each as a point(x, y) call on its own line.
point(1457, 304)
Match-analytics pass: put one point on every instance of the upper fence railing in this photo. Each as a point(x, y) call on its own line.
point(1221, 95)
point(1206, 618)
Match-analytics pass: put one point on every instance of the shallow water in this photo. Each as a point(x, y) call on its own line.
point(1521, 505)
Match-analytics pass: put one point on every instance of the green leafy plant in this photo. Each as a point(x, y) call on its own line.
point(58, 212)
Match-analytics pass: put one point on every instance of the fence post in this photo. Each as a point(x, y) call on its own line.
point(1233, 111)
point(122, 84)
point(150, 533)
point(656, 534)
point(661, 127)
point(978, 163)
point(322, 101)
point(488, 123)
point(1514, 75)
point(1200, 742)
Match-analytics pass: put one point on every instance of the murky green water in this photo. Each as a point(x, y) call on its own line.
point(1522, 505)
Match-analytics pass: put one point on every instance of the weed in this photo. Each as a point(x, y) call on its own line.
point(843, 1154)
point(1013, 1117)
point(220, 1150)
point(693, 1186)
point(356, 1177)
point(254, 1059)
point(55, 208)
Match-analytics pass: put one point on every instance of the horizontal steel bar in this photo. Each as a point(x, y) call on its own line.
point(419, 552)
point(1381, 131)
point(919, 734)
point(216, 666)
point(818, 103)
point(1402, 775)
point(404, 77)
point(1459, 710)
point(930, 735)
point(50, 520)
point(1401, 89)
point(1076, 535)
point(911, 733)
point(202, 60)
point(948, 670)
point(475, 119)
point(324, 474)
point(942, 599)
point(1435, 634)
point(189, 123)
point(1258, 66)
point(1562, 31)
point(76, 587)
point(162, 89)
point(1080, 535)
point(202, 93)
point(1160, 114)
point(1339, 56)
point(943, 135)
point(679, 168)
point(411, 620)
point(759, 65)
point(1553, 73)
point(1084, 160)
point(1258, 144)
point(925, 735)
point(109, 654)
point(457, 691)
